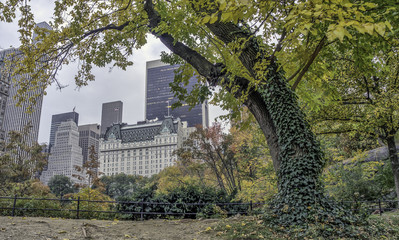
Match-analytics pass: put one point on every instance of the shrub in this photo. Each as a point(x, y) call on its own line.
point(189, 201)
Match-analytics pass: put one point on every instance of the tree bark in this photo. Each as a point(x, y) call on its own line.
point(393, 157)
point(258, 108)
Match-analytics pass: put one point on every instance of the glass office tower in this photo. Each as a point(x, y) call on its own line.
point(159, 97)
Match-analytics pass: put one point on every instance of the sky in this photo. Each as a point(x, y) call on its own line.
point(110, 84)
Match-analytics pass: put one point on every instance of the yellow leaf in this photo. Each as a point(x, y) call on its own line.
point(369, 28)
point(380, 28)
point(339, 33)
point(360, 28)
point(348, 5)
point(226, 16)
point(214, 18)
point(370, 5)
point(223, 5)
point(389, 25)
point(206, 19)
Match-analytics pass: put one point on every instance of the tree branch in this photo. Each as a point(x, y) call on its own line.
point(310, 61)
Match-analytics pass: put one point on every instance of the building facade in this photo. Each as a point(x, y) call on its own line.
point(89, 135)
point(65, 154)
point(159, 96)
point(4, 89)
point(142, 149)
point(111, 113)
point(13, 117)
point(56, 121)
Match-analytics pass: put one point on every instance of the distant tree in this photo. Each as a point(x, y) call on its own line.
point(121, 185)
point(20, 161)
point(60, 185)
point(89, 175)
point(212, 147)
point(227, 160)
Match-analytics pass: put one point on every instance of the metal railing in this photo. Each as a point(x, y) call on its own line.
point(74, 208)
point(82, 208)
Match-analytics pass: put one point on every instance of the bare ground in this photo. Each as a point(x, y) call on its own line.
point(38, 228)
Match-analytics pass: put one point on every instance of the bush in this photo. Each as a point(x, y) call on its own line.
point(189, 201)
point(88, 206)
point(358, 181)
point(34, 206)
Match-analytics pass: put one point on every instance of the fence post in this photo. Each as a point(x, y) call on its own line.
point(77, 208)
point(142, 211)
point(14, 204)
point(379, 206)
point(250, 206)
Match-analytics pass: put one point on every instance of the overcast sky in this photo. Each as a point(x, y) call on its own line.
point(127, 86)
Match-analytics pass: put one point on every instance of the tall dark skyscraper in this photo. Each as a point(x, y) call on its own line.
point(89, 135)
point(159, 97)
point(111, 113)
point(56, 121)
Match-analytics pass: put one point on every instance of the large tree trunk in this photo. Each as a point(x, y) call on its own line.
point(301, 160)
point(257, 105)
point(393, 156)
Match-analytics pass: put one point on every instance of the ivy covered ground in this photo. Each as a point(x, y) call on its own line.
point(381, 227)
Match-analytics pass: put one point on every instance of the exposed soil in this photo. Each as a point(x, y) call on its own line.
point(21, 228)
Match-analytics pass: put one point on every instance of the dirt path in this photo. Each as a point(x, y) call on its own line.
point(21, 228)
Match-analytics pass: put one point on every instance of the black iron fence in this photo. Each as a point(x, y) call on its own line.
point(82, 208)
point(89, 209)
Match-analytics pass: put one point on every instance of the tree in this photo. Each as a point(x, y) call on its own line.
point(20, 161)
point(213, 148)
point(60, 185)
point(258, 179)
point(367, 95)
point(121, 185)
point(89, 175)
point(225, 160)
point(231, 45)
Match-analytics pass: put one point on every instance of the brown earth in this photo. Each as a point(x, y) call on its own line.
point(38, 228)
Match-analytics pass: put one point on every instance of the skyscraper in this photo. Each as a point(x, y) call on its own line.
point(13, 117)
point(4, 90)
point(56, 121)
point(89, 135)
point(111, 113)
point(65, 153)
point(159, 97)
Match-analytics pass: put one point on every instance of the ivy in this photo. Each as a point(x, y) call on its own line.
point(301, 200)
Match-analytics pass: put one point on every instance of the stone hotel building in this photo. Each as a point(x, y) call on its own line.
point(142, 149)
